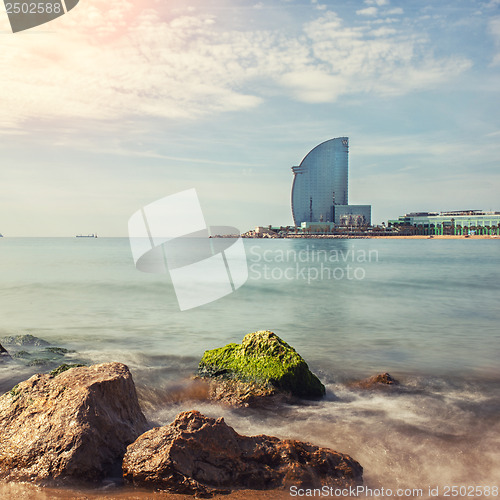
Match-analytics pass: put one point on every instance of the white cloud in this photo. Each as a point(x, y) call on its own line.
point(173, 70)
point(380, 3)
point(384, 31)
point(393, 63)
point(314, 86)
point(394, 12)
point(369, 11)
point(318, 6)
point(111, 64)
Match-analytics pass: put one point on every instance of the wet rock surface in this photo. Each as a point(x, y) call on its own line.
point(202, 456)
point(25, 340)
point(235, 392)
point(262, 366)
point(72, 426)
point(4, 355)
point(31, 351)
point(377, 381)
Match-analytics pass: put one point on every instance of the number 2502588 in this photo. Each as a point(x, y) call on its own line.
point(33, 8)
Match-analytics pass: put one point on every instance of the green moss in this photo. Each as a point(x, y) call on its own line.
point(264, 358)
point(14, 392)
point(63, 368)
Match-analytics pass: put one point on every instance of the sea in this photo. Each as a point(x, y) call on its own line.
point(424, 310)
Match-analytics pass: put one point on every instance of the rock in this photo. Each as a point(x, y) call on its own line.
point(73, 426)
point(237, 393)
point(202, 456)
point(60, 351)
point(263, 365)
point(33, 351)
point(26, 339)
point(380, 380)
point(4, 355)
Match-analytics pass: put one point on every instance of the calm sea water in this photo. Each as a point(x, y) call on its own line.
point(424, 310)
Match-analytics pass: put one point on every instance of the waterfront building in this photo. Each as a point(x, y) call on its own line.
point(353, 215)
point(458, 222)
point(320, 187)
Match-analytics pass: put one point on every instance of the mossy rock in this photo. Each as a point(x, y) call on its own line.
point(263, 358)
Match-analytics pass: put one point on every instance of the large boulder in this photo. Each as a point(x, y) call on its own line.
point(262, 365)
point(75, 425)
point(199, 455)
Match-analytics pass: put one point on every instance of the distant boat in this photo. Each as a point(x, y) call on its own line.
point(86, 235)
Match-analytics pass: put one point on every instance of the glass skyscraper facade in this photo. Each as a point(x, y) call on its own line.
point(320, 186)
point(320, 182)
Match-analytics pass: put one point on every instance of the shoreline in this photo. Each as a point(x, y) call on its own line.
point(440, 237)
point(374, 237)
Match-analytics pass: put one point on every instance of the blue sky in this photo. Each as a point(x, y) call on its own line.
point(109, 108)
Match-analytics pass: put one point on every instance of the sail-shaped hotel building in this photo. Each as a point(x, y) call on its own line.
point(320, 187)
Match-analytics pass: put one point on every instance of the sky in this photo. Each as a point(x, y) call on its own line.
point(117, 104)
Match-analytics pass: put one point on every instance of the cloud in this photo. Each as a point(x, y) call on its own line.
point(95, 68)
point(318, 6)
point(384, 31)
point(314, 86)
point(380, 3)
point(393, 63)
point(369, 11)
point(394, 12)
point(109, 64)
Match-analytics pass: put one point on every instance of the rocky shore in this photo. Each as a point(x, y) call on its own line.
point(83, 425)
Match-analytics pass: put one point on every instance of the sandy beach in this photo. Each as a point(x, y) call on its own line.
point(437, 237)
point(368, 236)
